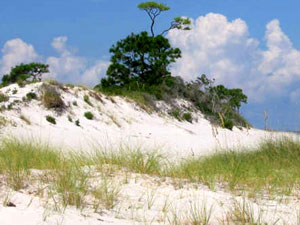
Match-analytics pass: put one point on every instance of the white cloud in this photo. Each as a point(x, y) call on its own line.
point(71, 68)
point(222, 49)
point(94, 74)
point(66, 67)
point(225, 51)
point(15, 52)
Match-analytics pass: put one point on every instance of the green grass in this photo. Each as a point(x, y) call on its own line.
point(273, 166)
point(133, 160)
point(18, 157)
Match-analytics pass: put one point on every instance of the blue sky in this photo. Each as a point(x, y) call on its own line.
point(80, 32)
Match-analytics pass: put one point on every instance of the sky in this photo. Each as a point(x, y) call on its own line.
point(253, 45)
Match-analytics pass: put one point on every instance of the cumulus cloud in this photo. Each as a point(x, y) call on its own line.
point(225, 51)
point(66, 67)
point(94, 74)
point(215, 46)
point(15, 52)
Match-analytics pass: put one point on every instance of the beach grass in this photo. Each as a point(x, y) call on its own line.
point(273, 167)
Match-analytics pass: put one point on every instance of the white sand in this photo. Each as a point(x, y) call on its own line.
point(120, 123)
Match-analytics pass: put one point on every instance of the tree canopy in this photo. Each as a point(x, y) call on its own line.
point(24, 72)
point(154, 9)
point(140, 58)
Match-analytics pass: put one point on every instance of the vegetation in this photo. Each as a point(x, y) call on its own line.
point(25, 119)
point(139, 69)
point(187, 117)
point(140, 60)
point(31, 95)
point(89, 115)
point(51, 119)
point(154, 9)
point(77, 123)
point(51, 98)
point(87, 100)
point(24, 72)
point(272, 168)
point(3, 97)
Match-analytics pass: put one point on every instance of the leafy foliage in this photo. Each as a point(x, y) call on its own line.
point(89, 115)
point(51, 119)
point(24, 72)
point(3, 97)
point(140, 59)
point(154, 9)
point(31, 95)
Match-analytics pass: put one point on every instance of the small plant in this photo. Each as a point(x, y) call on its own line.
point(74, 103)
point(51, 98)
point(15, 91)
point(3, 98)
point(77, 122)
point(10, 106)
point(107, 193)
point(51, 119)
point(31, 95)
point(200, 214)
point(70, 85)
point(87, 100)
point(26, 120)
point(89, 115)
point(70, 118)
point(175, 113)
point(3, 121)
point(187, 117)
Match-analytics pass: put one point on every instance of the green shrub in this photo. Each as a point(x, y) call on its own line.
point(89, 115)
point(15, 91)
point(31, 95)
point(175, 113)
point(187, 117)
point(10, 106)
point(87, 100)
point(3, 97)
point(70, 118)
point(50, 119)
point(77, 123)
point(74, 103)
point(51, 98)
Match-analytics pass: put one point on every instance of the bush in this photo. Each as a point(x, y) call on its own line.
point(77, 123)
point(175, 113)
point(31, 95)
point(87, 100)
point(3, 98)
point(51, 98)
point(187, 117)
point(50, 119)
point(89, 115)
point(70, 118)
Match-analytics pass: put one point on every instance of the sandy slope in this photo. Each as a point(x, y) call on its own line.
point(122, 123)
